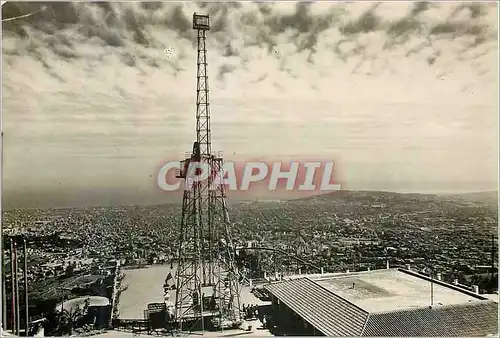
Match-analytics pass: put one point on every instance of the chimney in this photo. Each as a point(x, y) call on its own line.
point(408, 267)
point(438, 276)
point(368, 269)
point(347, 271)
point(387, 266)
point(455, 281)
point(250, 282)
point(300, 271)
point(322, 271)
point(475, 289)
point(265, 275)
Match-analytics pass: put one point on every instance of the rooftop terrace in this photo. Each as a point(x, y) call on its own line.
point(392, 289)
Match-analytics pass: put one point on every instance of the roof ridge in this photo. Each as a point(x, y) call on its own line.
point(366, 323)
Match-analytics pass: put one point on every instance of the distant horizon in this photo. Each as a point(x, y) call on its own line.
point(262, 199)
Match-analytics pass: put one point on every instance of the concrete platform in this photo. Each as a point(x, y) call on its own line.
point(145, 286)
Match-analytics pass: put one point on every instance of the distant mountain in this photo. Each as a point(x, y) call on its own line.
point(488, 197)
point(377, 199)
point(366, 195)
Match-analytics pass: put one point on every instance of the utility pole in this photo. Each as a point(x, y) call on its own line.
point(26, 295)
point(3, 244)
point(18, 307)
point(4, 287)
point(13, 287)
point(431, 275)
point(492, 256)
point(432, 289)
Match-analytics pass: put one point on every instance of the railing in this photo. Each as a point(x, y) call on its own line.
point(179, 173)
point(217, 154)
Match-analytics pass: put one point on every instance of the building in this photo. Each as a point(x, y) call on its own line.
point(390, 302)
point(98, 309)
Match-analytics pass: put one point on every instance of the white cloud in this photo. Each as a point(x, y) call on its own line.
point(385, 90)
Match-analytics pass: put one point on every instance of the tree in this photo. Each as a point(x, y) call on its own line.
point(69, 270)
point(68, 321)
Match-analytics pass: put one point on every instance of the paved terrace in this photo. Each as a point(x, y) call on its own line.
point(145, 286)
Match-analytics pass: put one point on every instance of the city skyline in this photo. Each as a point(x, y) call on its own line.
point(401, 95)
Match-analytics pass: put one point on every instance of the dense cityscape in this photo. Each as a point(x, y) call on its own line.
point(74, 252)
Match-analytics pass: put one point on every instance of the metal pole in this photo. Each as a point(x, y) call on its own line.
point(18, 307)
point(492, 256)
point(4, 287)
point(13, 285)
point(26, 296)
point(432, 288)
point(3, 244)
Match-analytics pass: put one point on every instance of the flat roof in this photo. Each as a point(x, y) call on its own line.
point(494, 297)
point(392, 290)
point(72, 304)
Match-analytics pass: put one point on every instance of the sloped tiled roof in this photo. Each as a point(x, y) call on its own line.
point(333, 315)
point(327, 312)
point(466, 320)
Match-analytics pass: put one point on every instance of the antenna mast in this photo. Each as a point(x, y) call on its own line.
point(207, 279)
point(492, 256)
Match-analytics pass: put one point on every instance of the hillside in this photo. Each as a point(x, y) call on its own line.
point(486, 196)
point(404, 202)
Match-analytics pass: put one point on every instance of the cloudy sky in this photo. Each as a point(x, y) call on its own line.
point(403, 96)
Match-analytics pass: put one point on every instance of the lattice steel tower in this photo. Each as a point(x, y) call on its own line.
point(207, 279)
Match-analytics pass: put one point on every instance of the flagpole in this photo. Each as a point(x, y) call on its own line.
point(431, 274)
